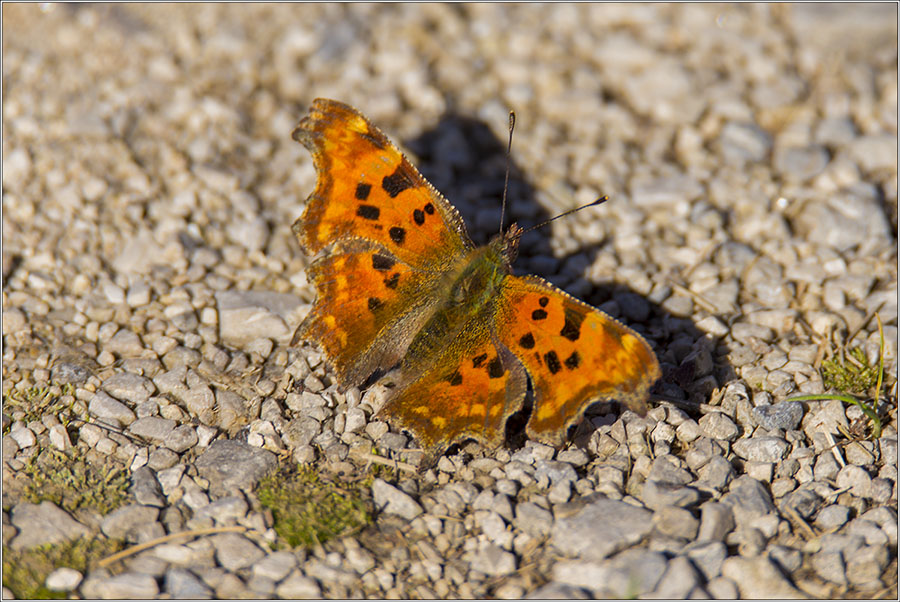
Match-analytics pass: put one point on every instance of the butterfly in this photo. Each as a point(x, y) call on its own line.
point(403, 291)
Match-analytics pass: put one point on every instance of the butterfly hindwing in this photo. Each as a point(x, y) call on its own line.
point(573, 353)
point(366, 188)
point(467, 391)
point(367, 308)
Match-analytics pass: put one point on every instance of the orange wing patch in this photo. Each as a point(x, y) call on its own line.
point(366, 188)
point(573, 354)
point(364, 296)
point(469, 391)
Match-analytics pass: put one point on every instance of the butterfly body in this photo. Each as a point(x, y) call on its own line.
point(403, 290)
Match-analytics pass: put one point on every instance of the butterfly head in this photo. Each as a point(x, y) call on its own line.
point(507, 243)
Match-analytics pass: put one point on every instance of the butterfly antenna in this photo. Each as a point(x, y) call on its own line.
point(512, 126)
point(602, 199)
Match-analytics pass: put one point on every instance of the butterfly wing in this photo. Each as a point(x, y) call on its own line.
point(573, 353)
point(368, 308)
point(468, 391)
point(366, 188)
point(383, 235)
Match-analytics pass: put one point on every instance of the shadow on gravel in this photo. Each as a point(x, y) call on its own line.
point(466, 162)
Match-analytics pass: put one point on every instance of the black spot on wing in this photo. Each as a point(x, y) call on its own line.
point(429, 209)
point(397, 182)
point(419, 217)
point(397, 234)
point(539, 314)
point(572, 328)
point(374, 303)
point(527, 341)
point(552, 361)
point(382, 263)
point(477, 361)
point(495, 368)
point(573, 361)
point(368, 212)
point(392, 281)
point(544, 301)
point(362, 191)
point(454, 379)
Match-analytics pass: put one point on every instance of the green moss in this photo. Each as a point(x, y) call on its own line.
point(24, 571)
point(852, 375)
point(310, 509)
point(73, 483)
point(35, 402)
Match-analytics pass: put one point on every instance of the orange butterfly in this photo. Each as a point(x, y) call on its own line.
point(401, 286)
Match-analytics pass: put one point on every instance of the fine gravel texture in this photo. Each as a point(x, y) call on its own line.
point(152, 285)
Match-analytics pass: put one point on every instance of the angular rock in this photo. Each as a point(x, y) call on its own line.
point(229, 464)
point(44, 523)
point(391, 500)
point(759, 578)
point(601, 528)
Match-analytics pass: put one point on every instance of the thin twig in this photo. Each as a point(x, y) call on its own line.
point(166, 538)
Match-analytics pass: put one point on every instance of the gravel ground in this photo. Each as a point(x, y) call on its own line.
point(151, 285)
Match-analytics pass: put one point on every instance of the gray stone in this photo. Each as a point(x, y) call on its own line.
point(886, 518)
point(716, 521)
point(717, 425)
point(182, 584)
point(832, 517)
point(109, 410)
point(676, 522)
point(276, 566)
point(126, 344)
point(788, 558)
point(716, 473)
point(63, 580)
point(707, 557)
point(829, 566)
point(162, 458)
point(67, 372)
point(759, 577)
point(866, 566)
point(657, 494)
point(245, 316)
point(125, 586)
point(234, 551)
point(532, 519)
point(801, 164)
point(741, 142)
point(785, 415)
point(297, 586)
point(678, 581)
point(42, 524)
point(129, 387)
point(229, 464)
point(146, 488)
point(391, 500)
point(553, 472)
point(871, 532)
point(845, 219)
point(493, 560)
point(856, 478)
point(119, 523)
point(152, 428)
point(634, 572)
point(558, 591)
point(601, 528)
point(748, 499)
point(722, 588)
point(762, 449)
point(224, 510)
point(182, 438)
point(805, 501)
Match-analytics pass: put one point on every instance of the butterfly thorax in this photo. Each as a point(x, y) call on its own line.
point(470, 289)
